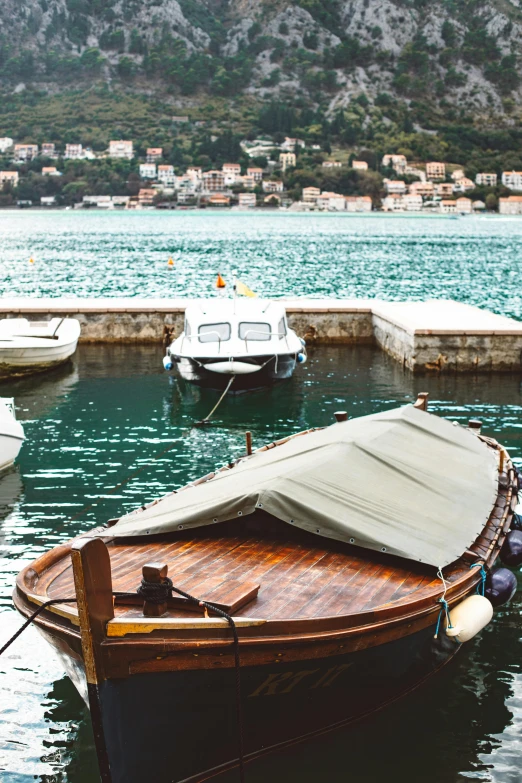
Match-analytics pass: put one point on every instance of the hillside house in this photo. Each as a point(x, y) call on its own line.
point(247, 182)
point(219, 200)
point(287, 160)
point(444, 189)
point(25, 152)
point(359, 165)
point(166, 175)
point(512, 179)
point(334, 202)
point(311, 194)
point(397, 162)
point(463, 184)
point(424, 189)
point(148, 171)
point(73, 151)
point(9, 178)
point(146, 197)
point(5, 144)
point(154, 154)
point(231, 173)
point(457, 174)
point(290, 144)
point(486, 179)
point(121, 149)
point(271, 186)
point(447, 206)
point(51, 171)
point(256, 173)
point(213, 181)
point(412, 202)
point(395, 186)
point(48, 150)
point(435, 171)
point(393, 203)
point(331, 164)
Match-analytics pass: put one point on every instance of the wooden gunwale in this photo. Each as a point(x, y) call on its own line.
point(297, 630)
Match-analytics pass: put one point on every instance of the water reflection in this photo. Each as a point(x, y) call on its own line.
point(93, 423)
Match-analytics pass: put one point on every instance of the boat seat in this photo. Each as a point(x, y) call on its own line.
point(230, 596)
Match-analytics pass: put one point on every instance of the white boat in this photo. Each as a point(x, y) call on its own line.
point(248, 339)
point(11, 433)
point(33, 346)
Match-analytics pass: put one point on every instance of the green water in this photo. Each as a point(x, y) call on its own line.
point(475, 259)
point(95, 422)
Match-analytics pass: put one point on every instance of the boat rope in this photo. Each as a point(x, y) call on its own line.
point(481, 587)
point(444, 609)
point(206, 420)
point(157, 593)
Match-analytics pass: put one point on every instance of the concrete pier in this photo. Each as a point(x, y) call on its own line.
point(438, 335)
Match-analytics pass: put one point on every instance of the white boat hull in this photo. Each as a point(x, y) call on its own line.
point(11, 434)
point(21, 352)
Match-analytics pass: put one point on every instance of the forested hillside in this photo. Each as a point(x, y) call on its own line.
point(438, 78)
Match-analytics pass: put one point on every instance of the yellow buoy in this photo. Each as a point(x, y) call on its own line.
point(31, 260)
point(171, 262)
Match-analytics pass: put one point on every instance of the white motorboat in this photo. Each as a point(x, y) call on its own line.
point(33, 346)
point(248, 339)
point(11, 433)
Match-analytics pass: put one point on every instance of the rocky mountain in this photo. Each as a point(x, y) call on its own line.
point(458, 58)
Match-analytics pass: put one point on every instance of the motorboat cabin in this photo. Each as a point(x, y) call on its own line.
point(248, 339)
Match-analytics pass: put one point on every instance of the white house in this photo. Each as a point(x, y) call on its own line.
point(287, 160)
point(121, 149)
point(247, 200)
point(457, 174)
point(425, 189)
point(148, 171)
point(486, 179)
point(231, 173)
point(9, 177)
point(25, 152)
point(447, 207)
point(73, 152)
point(269, 186)
point(393, 203)
point(512, 179)
point(255, 172)
point(334, 202)
point(412, 202)
point(311, 194)
point(331, 164)
point(397, 162)
point(464, 205)
point(359, 165)
point(435, 170)
point(48, 201)
point(358, 203)
point(512, 205)
point(463, 184)
point(5, 144)
point(166, 175)
point(154, 154)
point(395, 186)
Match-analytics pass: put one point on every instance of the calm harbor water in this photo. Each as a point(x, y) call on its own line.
point(475, 259)
point(94, 422)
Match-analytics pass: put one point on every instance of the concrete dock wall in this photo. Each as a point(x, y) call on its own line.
point(437, 336)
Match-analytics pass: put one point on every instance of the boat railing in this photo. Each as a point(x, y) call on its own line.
point(265, 334)
point(197, 336)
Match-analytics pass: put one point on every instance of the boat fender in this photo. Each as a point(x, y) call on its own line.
point(501, 586)
point(511, 552)
point(516, 522)
point(469, 617)
point(301, 358)
point(167, 363)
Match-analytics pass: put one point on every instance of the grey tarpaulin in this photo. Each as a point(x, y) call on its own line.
point(403, 481)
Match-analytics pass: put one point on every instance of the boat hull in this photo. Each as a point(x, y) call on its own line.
point(181, 725)
point(10, 446)
point(22, 361)
point(266, 370)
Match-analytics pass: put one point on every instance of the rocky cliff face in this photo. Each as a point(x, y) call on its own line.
point(460, 55)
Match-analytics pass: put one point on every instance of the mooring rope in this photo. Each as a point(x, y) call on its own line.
point(157, 593)
point(481, 587)
point(216, 406)
point(444, 609)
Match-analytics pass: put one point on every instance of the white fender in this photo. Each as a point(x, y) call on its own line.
point(232, 368)
point(469, 617)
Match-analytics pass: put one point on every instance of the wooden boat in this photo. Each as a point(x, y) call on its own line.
point(11, 433)
point(247, 340)
point(33, 346)
point(330, 625)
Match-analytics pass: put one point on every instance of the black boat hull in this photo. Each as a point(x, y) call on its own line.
point(272, 369)
point(181, 725)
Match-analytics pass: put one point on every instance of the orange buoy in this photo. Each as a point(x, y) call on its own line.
point(31, 260)
point(171, 262)
point(220, 283)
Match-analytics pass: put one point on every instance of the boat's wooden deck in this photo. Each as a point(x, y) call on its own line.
point(300, 575)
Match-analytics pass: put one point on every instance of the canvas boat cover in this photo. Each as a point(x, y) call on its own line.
point(403, 482)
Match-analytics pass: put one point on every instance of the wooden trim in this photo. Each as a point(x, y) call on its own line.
point(121, 626)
